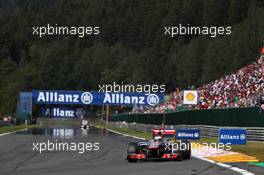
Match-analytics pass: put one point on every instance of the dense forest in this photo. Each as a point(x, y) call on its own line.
point(131, 47)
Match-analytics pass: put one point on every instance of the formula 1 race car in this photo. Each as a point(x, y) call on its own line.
point(84, 125)
point(162, 147)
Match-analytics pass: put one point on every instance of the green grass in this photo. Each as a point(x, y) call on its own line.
point(102, 124)
point(12, 128)
point(60, 122)
point(133, 132)
point(255, 149)
point(258, 163)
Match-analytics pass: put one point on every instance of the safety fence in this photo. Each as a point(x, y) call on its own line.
point(206, 131)
point(2, 123)
point(239, 117)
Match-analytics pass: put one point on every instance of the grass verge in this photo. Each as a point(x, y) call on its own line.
point(12, 128)
point(255, 149)
point(49, 122)
point(102, 124)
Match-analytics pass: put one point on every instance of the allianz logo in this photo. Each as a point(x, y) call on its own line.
point(55, 97)
point(184, 134)
point(151, 99)
point(85, 97)
point(121, 98)
point(233, 137)
point(57, 112)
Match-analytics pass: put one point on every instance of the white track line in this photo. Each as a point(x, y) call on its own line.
point(7, 133)
point(238, 170)
point(126, 135)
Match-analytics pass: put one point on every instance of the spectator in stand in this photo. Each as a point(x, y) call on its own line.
point(240, 89)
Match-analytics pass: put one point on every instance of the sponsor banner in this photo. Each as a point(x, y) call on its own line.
point(63, 112)
point(188, 134)
point(190, 97)
point(233, 136)
point(95, 98)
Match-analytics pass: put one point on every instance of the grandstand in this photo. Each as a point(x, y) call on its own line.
point(244, 88)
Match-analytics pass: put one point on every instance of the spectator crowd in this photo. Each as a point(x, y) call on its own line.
point(243, 88)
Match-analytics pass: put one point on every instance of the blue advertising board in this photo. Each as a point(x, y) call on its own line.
point(25, 103)
point(94, 98)
point(188, 134)
point(62, 112)
point(233, 136)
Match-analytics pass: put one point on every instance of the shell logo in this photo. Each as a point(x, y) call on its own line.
point(190, 96)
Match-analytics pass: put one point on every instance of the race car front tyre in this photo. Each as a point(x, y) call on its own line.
point(132, 148)
point(131, 160)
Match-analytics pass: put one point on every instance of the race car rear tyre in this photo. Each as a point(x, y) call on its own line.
point(189, 154)
point(181, 156)
point(187, 151)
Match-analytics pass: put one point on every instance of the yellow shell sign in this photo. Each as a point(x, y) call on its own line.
point(190, 96)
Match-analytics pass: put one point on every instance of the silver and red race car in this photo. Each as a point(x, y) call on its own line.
point(85, 125)
point(162, 147)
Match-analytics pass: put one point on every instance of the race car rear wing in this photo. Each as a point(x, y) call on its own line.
point(164, 132)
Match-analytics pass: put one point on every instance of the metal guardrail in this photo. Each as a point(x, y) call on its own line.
point(2, 123)
point(253, 133)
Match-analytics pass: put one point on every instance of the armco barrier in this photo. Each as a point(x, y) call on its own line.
point(2, 123)
point(239, 117)
point(253, 133)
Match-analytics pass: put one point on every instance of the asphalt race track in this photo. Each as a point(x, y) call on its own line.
point(17, 157)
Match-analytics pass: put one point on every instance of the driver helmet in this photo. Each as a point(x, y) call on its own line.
point(157, 137)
